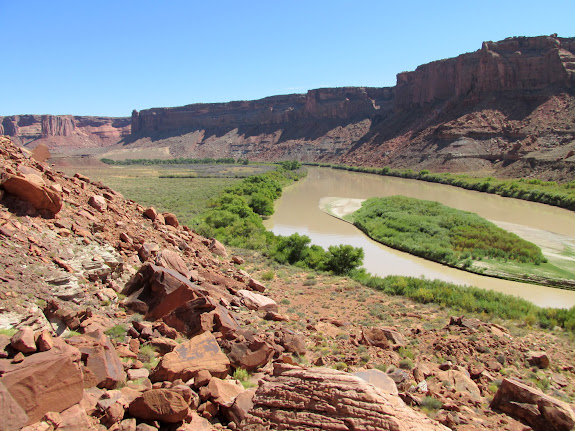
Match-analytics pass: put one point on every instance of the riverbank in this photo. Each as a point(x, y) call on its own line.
point(558, 272)
point(531, 189)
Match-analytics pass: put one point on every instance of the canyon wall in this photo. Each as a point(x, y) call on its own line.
point(520, 63)
point(509, 101)
point(341, 104)
point(64, 131)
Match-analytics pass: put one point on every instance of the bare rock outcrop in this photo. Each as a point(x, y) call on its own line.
point(540, 411)
point(201, 352)
point(45, 381)
point(325, 399)
point(160, 404)
point(57, 125)
point(32, 189)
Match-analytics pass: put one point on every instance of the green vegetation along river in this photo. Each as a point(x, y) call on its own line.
point(460, 239)
point(298, 211)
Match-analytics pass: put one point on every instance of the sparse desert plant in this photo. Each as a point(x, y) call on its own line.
point(406, 364)
point(431, 403)
point(71, 334)
point(117, 332)
point(148, 356)
point(8, 331)
point(268, 275)
point(241, 374)
point(340, 366)
point(405, 352)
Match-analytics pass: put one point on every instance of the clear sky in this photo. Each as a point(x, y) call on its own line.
point(106, 57)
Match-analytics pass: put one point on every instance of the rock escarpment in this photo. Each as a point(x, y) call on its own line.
point(337, 104)
point(510, 101)
point(520, 63)
point(508, 107)
point(61, 132)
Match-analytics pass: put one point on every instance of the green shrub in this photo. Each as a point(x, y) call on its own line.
point(341, 259)
point(117, 332)
point(406, 364)
point(241, 375)
point(431, 403)
point(440, 233)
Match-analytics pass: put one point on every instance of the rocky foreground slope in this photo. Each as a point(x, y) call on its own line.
point(125, 320)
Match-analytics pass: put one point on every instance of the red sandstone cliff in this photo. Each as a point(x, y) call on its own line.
point(340, 104)
point(64, 131)
point(510, 101)
point(520, 63)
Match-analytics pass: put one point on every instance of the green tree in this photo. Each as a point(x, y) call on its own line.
point(291, 249)
point(262, 204)
point(341, 259)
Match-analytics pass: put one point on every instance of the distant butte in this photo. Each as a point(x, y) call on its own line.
point(508, 108)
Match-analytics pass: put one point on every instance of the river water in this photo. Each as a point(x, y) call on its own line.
point(298, 211)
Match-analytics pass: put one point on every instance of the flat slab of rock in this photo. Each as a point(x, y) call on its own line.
point(542, 412)
point(13, 415)
point(326, 399)
point(255, 301)
point(45, 381)
point(160, 404)
point(103, 367)
point(379, 379)
point(201, 352)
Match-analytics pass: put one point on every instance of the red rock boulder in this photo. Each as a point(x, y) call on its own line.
point(322, 398)
point(171, 219)
point(45, 381)
point(542, 412)
point(162, 405)
point(200, 315)
point(201, 352)
point(101, 364)
point(33, 191)
point(156, 291)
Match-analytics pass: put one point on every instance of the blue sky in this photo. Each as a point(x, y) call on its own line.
point(109, 57)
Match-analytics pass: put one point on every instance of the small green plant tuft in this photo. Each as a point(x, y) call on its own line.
point(406, 364)
point(340, 366)
point(241, 375)
point(117, 332)
point(71, 334)
point(431, 403)
point(8, 331)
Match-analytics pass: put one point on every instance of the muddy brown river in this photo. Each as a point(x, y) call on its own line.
point(298, 211)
